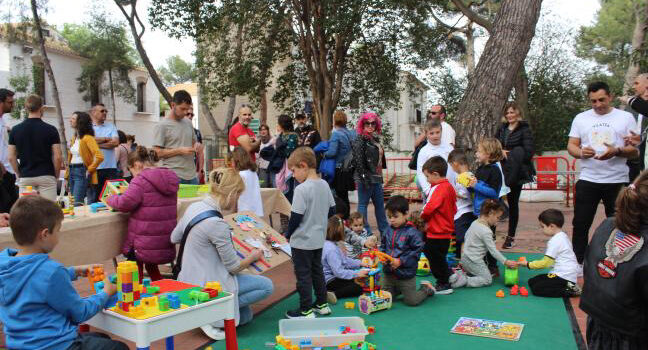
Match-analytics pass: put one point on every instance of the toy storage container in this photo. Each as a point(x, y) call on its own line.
point(319, 332)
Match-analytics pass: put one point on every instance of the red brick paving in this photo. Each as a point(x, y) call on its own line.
point(529, 239)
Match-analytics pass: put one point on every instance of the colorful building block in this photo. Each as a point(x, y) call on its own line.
point(113, 278)
point(349, 305)
point(371, 329)
point(213, 285)
point(174, 301)
point(152, 289)
point(499, 294)
point(96, 274)
point(146, 281)
point(213, 293)
point(524, 292)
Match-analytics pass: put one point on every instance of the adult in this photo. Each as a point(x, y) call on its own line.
point(597, 139)
point(639, 102)
point(209, 254)
point(199, 159)
point(108, 139)
point(616, 275)
point(369, 161)
point(308, 136)
point(240, 133)
point(8, 189)
point(517, 142)
point(121, 153)
point(175, 140)
point(265, 175)
point(447, 132)
point(38, 147)
point(339, 147)
point(84, 156)
point(277, 154)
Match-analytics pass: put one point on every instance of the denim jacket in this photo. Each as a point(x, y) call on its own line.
point(340, 145)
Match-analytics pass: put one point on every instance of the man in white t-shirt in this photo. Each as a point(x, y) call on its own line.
point(597, 139)
point(8, 189)
point(448, 133)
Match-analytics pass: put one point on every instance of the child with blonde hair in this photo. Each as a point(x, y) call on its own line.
point(207, 253)
point(250, 198)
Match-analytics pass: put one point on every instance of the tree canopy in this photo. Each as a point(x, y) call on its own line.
point(176, 71)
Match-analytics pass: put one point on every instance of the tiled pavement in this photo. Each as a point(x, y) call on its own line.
point(529, 239)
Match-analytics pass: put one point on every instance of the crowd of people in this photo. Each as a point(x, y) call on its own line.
point(462, 201)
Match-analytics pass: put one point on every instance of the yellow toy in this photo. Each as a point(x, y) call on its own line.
point(214, 285)
point(423, 266)
point(349, 305)
point(465, 178)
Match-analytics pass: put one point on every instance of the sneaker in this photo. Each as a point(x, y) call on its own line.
point(573, 289)
point(429, 287)
point(443, 288)
point(331, 298)
point(580, 270)
point(322, 309)
point(300, 314)
point(213, 332)
point(458, 279)
point(508, 243)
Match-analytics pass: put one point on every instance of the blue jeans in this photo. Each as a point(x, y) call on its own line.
point(80, 185)
point(252, 288)
point(193, 181)
point(375, 193)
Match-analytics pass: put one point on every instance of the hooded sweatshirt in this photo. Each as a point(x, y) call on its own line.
point(152, 200)
point(39, 307)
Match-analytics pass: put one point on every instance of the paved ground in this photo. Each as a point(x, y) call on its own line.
point(529, 239)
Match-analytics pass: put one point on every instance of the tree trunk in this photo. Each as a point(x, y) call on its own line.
point(470, 49)
point(482, 105)
point(638, 36)
point(50, 74)
point(263, 106)
point(209, 117)
point(112, 96)
point(231, 105)
point(522, 91)
point(140, 48)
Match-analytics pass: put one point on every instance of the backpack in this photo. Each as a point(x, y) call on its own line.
point(197, 219)
point(412, 163)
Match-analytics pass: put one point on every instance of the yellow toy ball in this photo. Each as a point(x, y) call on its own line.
point(465, 178)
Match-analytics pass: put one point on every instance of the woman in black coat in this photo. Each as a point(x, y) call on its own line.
point(517, 143)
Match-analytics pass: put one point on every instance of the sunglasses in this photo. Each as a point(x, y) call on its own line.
point(371, 124)
point(191, 114)
point(104, 111)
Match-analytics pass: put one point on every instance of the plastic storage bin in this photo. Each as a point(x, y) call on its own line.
point(318, 332)
point(191, 191)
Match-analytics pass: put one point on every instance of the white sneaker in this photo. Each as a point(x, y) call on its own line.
point(580, 270)
point(331, 298)
point(213, 332)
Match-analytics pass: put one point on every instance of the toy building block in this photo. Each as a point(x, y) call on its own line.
point(500, 294)
point(98, 286)
point(150, 303)
point(524, 292)
point(280, 347)
point(522, 260)
point(152, 289)
point(306, 342)
point(371, 329)
point(95, 274)
point(344, 346)
point(174, 301)
point(514, 290)
point(294, 347)
point(510, 276)
point(113, 278)
point(349, 305)
point(146, 281)
point(211, 292)
point(213, 285)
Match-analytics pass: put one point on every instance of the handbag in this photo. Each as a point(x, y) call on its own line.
point(412, 163)
point(177, 267)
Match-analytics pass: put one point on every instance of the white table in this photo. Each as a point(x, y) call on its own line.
point(143, 332)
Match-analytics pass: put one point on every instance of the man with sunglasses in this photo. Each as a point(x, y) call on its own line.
point(447, 132)
point(108, 139)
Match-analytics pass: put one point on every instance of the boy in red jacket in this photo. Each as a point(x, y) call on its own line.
point(438, 213)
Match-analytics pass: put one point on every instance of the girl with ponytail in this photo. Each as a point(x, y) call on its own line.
point(152, 200)
point(615, 294)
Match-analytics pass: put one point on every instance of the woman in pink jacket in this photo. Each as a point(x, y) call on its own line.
point(152, 199)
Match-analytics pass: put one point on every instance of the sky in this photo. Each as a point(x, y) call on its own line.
point(159, 46)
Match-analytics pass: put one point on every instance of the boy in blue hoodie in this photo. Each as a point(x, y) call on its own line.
point(39, 307)
point(404, 243)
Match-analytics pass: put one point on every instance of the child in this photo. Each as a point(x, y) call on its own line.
point(615, 266)
point(209, 253)
point(357, 237)
point(561, 280)
point(312, 204)
point(39, 307)
point(339, 269)
point(439, 213)
point(152, 200)
point(487, 183)
point(403, 242)
point(250, 199)
point(479, 240)
point(464, 216)
point(433, 147)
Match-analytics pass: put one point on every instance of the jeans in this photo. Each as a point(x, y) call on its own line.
point(406, 287)
point(586, 201)
point(252, 288)
point(96, 341)
point(375, 193)
point(80, 186)
point(193, 181)
point(310, 276)
point(103, 175)
point(45, 185)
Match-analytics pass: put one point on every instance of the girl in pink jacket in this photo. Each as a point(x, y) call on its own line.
point(152, 200)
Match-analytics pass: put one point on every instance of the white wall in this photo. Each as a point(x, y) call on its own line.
point(13, 61)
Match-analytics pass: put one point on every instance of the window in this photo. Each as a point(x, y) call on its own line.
point(141, 87)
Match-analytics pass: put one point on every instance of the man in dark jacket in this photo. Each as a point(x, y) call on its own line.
point(639, 103)
point(308, 136)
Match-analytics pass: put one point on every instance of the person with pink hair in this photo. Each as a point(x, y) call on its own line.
point(369, 160)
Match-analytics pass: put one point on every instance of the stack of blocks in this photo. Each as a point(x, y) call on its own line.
point(128, 289)
point(285, 344)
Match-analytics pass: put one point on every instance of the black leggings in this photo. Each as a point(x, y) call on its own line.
point(513, 199)
point(344, 288)
point(435, 251)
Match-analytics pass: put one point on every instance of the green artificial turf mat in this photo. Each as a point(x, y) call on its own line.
point(427, 326)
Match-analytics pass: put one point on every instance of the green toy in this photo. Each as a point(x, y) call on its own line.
point(510, 276)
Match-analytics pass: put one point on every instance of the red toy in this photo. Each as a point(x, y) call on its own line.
point(524, 292)
point(514, 290)
point(371, 329)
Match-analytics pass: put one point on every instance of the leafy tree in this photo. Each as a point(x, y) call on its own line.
point(450, 89)
point(177, 71)
point(108, 52)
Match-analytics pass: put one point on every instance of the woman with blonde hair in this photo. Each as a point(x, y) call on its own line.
point(210, 254)
point(339, 147)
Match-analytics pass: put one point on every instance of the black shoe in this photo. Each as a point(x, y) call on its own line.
point(508, 243)
point(443, 288)
point(300, 314)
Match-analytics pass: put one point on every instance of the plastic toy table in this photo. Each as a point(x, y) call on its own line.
point(145, 331)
